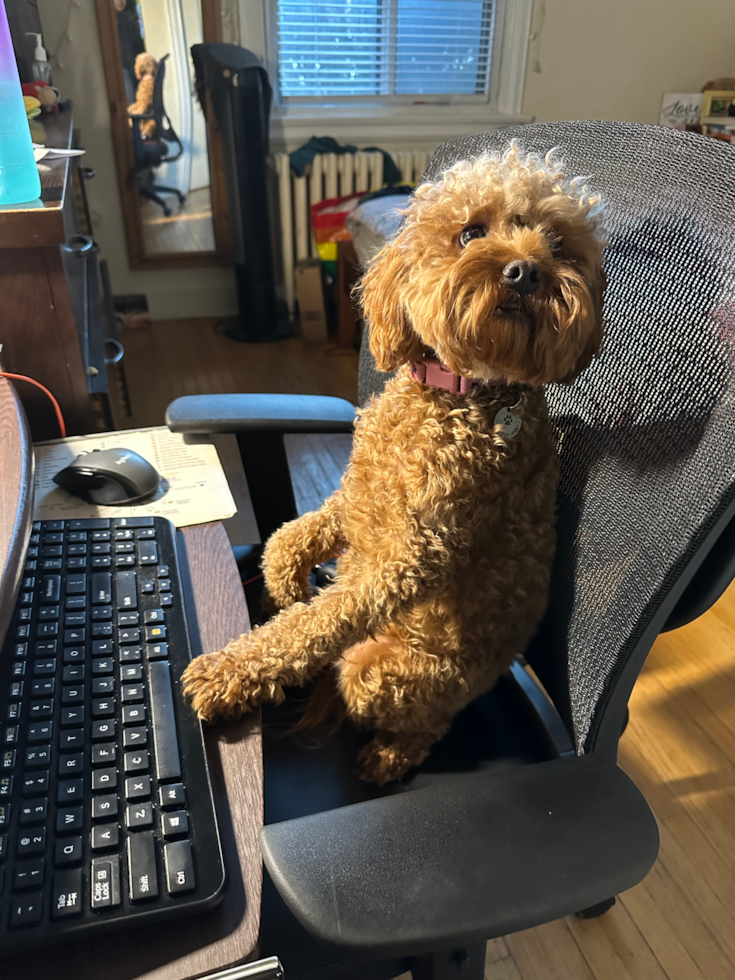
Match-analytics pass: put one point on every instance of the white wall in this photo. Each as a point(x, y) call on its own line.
point(70, 28)
point(614, 59)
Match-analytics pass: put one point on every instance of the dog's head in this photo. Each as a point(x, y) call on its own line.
point(145, 64)
point(497, 269)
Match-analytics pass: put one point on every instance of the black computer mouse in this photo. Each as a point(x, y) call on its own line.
point(110, 476)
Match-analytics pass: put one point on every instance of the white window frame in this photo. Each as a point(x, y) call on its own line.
point(396, 119)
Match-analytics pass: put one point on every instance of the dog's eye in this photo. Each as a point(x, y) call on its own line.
point(470, 232)
point(555, 243)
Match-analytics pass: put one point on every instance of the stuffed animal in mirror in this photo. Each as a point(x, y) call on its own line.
point(444, 520)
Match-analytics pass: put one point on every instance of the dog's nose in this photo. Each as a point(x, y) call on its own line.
point(522, 276)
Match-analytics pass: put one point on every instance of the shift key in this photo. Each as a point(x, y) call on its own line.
point(142, 873)
point(127, 591)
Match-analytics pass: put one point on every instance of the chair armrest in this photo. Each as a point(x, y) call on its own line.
point(468, 860)
point(260, 413)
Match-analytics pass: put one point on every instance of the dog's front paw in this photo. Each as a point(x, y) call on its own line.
point(226, 684)
point(384, 760)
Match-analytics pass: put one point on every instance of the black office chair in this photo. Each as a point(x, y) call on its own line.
point(521, 815)
point(152, 153)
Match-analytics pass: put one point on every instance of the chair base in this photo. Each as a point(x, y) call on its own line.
point(466, 963)
point(594, 911)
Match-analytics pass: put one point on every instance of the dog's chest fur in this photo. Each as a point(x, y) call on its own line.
point(428, 464)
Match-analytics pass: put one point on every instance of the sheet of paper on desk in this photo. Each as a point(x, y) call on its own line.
point(193, 487)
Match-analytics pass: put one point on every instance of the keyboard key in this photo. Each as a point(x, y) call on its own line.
point(131, 672)
point(71, 764)
point(73, 738)
point(156, 651)
point(52, 551)
point(88, 523)
point(102, 612)
point(128, 654)
point(102, 630)
point(18, 669)
point(75, 563)
point(103, 708)
point(124, 560)
point(138, 816)
point(56, 525)
point(32, 842)
point(104, 779)
point(101, 548)
point(136, 761)
point(103, 730)
point(72, 672)
point(66, 896)
point(76, 635)
point(129, 635)
point(38, 756)
point(105, 836)
point(5, 811)
point(53, 537)
point(72, 695)
point(177, 860)
point(69, 850)
point(23, 632)
point(73, 655)
point(75, 602)
point(103, 685)
point(35, 783)
point(69, 820)
point(105, 878)
point(71, 717)
point(102, 666)
point(155, 633)
point(3, 847)
point(163, 721)
point(48, 612)
point(76, 536)
point(128, 619)
point(70, 791)
point(6, 787)
point(132, 522)
point(146, 534)
point(163, 571)
point(104, 807)
point(101, 588)
point(28, 875)
point(47, 629)
point(34, 812)
point(127, 594)
point(142, 873)
point(13, 711)
point(123, 535)
point(75, 618)
point(124, 548)
point(102, 647)
point(133, 714)
point(42, 688)
point(43, 668)
point(101, 561)
point(50, 564)
point(132, 692)
point(137, 787)
point(153, 616)
point(166, 600)
point(175, 824)
point(7, 759)
point(40, 731)
point(26, 911)
point(75, 584)
point(103, 754)
point(100, 535)
point(12, 733)
point(135, 737)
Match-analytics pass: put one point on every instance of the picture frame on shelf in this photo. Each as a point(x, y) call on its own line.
point(718, 114)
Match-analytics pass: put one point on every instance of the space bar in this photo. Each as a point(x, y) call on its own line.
point(165, 737)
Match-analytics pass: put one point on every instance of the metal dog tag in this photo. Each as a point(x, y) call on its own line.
point(510, 422)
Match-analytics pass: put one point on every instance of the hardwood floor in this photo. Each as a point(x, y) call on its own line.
point(679, 747)
point(190, 227)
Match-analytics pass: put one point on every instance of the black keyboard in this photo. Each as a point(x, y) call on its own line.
point(106, 811)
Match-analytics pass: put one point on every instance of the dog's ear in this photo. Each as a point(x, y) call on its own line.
point(594, 337)
point(392, 340)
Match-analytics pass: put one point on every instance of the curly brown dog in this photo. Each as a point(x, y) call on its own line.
point(445, 515)
point(146, 67)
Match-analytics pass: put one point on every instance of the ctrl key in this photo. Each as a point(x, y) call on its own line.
point(179, 866)
point(26, 911)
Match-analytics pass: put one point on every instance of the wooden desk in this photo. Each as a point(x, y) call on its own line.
point(228, 934)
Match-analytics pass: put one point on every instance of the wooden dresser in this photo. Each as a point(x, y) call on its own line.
point(55, 317)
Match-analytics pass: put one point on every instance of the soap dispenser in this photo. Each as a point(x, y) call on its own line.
point(41, 67)
point(19, 180)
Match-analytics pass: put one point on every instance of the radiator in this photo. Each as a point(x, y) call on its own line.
point(329, 175)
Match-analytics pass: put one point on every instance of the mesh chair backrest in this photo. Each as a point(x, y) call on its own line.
point(163, 124)
point(646, 435)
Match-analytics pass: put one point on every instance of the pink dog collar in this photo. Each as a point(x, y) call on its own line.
point(432, 372)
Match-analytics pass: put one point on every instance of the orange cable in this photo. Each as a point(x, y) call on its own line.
point(57, 407)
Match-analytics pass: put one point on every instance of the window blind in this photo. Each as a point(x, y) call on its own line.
point(384, 47)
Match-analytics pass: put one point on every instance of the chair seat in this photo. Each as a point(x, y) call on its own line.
point(306, 773)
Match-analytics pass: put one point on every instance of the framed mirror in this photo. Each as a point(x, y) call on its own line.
point(168, 156)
